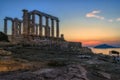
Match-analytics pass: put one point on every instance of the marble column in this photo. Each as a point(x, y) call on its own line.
point(52, 27)
point(40, 25)
point(33, 23)
point(49, 31)
point(46, 27)
point(36, 29)
point(5, 26)
point(29, 24)
point(20, 28)
point(57, 28)
point(13, 28)
point(25, 22)
point(16, 26)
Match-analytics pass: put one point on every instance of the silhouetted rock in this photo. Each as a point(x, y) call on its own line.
point(3, 37)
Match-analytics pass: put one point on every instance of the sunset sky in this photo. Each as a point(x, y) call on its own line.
point(89, 21)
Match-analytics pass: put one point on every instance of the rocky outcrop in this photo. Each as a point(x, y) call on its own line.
point(3, 37)
point(85, 50)
point(4, 52)
point(70, 72)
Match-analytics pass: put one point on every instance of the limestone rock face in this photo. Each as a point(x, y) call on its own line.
point(70, 72)
point(86, 50)
point(4, 52)
point(3, 37)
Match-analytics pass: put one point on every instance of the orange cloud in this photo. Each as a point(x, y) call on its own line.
point(91, 42)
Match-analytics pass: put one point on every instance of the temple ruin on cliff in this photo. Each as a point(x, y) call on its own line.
point(27, 29)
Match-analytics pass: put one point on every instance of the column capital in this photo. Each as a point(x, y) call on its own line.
point(16, 19)
point(33, 14)
point(57, 20)
point(52, 19)
point(46, 17)
point(40, 15)
point(5, 19)
point(25, 10)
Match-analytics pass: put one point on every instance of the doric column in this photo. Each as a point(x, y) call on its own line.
point(16, 26)
point(36, 29)
point(49, 31)
point(25, 22)
point(13, 28)
point(57, 28)
point(5, 26)
point(40, 25)
point(52, 27)
point(20, 28)
point(29, 23)
point(33, 23)
point(46, 27)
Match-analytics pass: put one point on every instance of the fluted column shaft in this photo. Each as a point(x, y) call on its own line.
point(36, 29)
point(20, 28)
point(40, 25)
point(57, 28)
point(16, 27)
point(49, 31)
point(46, 27)
point(52, 27)
point(29, 24)
point(33, 23)
point(5, 26)
point(13, 29)
point(25, 22)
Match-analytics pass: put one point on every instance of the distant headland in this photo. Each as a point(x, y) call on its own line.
point(105, 46)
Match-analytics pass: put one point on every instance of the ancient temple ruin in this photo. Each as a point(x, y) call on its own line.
point(28, 29)
point(37, 28)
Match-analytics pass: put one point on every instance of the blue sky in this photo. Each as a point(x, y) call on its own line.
point(89, 21)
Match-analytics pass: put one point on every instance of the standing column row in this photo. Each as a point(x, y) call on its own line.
point(16, 26)
point(29, 28)
point(48, 29)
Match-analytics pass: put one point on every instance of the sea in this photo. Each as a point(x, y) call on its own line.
point(104, 51)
